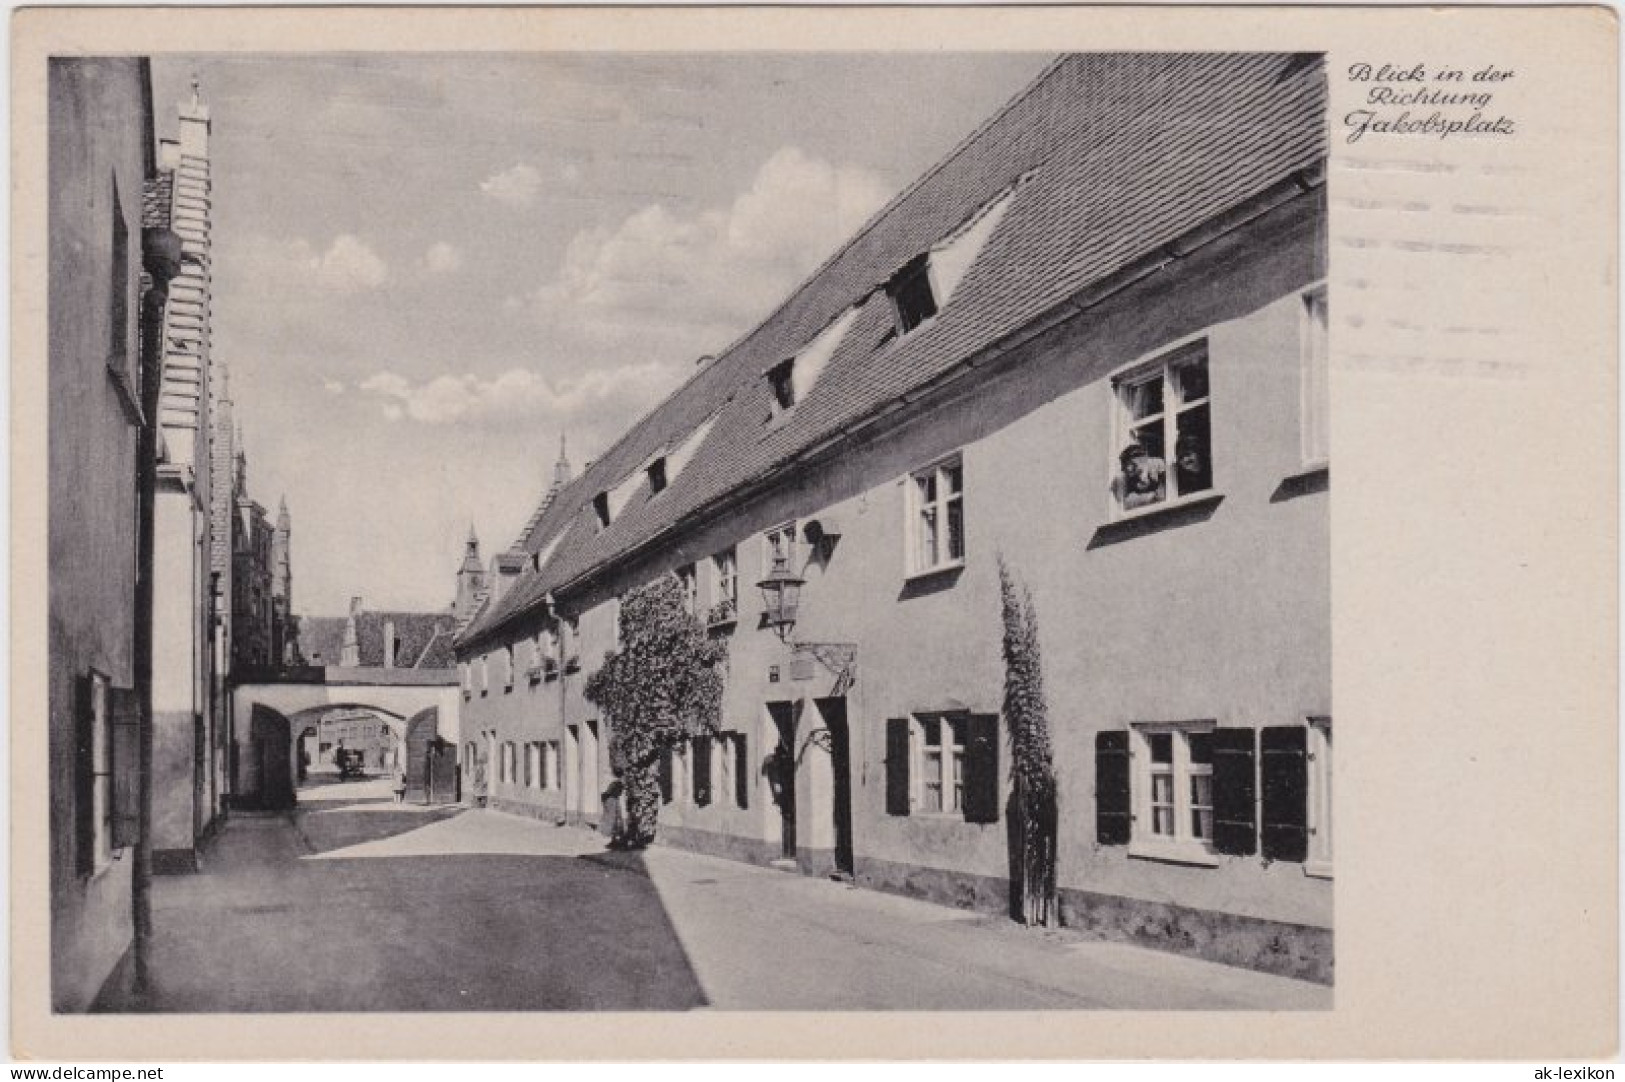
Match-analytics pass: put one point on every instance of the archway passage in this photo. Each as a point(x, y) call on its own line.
point(268, 753)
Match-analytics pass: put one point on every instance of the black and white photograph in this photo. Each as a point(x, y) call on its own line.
point(598, 530)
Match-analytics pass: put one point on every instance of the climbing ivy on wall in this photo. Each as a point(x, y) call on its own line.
point(663, 686)
point(1034, 802)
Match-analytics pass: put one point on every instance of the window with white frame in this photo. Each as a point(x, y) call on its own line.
point(533, 765)
point(507, 668)
point(1316, 383)
point(688, 579)
point(550, 765)
point(482, 674)
point(937, 517)
point(101, 770)
point(1173, 786)
point(940, 752)
point(1164, 448)
point(724, 586)
point(507, 762)
point(1320, 797)
point(779, 546)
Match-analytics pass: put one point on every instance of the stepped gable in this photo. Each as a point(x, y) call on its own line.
point(1110, 157)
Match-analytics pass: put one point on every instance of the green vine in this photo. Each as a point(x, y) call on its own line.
point(663, 686)
point(1034, 801)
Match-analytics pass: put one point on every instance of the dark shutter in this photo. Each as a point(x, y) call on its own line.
point(702, 770)
point(896, 766)
point(742, 774)
point(1286, 792)
point(1234, 829)
point(84, 776)
point(1114, 816)
point(126, 767)
point(665, 775)
point(982, 769)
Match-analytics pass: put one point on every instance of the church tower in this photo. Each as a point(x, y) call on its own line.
point(282, 588)
point(470, 579)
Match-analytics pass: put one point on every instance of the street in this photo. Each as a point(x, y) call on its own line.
point(354, 903)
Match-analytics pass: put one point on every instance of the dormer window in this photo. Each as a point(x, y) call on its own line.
point(657, 476)
point(600, 507)
point(911, 294)
point(781, 379)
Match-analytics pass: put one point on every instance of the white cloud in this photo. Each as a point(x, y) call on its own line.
point(348, 265)
point(442, 258)
point(521, 392)
point(333, 386)
point(516, 187)
point(674, 285)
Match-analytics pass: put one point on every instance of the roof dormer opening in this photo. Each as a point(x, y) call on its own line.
point(600, 507)
point(657, 476)
point(781, 378)
point(911, 294)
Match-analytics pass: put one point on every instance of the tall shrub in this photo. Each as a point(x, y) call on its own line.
point(661, 687)
point(1034, 802)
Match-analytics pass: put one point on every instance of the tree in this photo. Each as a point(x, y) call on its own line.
point(1034, 805)
point(662, 687)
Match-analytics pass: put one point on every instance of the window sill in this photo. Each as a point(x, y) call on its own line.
point(1313, 477)
point(935, 572)
point(1162, 516)
point(1318, 869)
point(1192, 853)
point(1168, 507)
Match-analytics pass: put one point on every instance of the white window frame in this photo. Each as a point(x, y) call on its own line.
point(101, 767)
point(1319, 862)
point(1315, 373)
point(787, 531)
point(507, 671)
point(1160, 367)
point(1182, 845)
point(482, 674)
point(917, 508)
point(688, 577)
point(725, 577)
point(533, 764)
point(949, 763)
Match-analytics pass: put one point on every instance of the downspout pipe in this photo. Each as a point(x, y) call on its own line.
point(161, 259)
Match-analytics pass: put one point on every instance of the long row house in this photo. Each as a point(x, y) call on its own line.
point(1089, 345)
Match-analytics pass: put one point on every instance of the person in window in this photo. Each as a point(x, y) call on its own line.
point(1143, 479)
point(1192, 470)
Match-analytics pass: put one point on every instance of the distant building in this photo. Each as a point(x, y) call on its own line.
point(386, 640)
point(1089, 346)
point(191, 731)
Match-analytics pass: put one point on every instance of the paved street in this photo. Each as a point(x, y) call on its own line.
point(353, 902)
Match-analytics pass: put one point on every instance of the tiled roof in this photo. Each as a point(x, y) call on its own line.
point(1119, 155)
point(425, 639)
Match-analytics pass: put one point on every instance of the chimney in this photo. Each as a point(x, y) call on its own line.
point(355, 606)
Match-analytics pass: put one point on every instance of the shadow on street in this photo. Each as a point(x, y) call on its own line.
point(381, 907)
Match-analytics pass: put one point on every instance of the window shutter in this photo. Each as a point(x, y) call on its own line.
point(702, 771)
point(742, 775)
point(1234, 829)
point(1114, 816)
point(665, 775)
point(84, 776)
point(126, 766)
point(982, 769)
point(1286, 791)
point(896, 766)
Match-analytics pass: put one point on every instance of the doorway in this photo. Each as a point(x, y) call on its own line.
point(780, 769)
point(840, 757)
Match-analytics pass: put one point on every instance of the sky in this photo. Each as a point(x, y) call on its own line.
point(427, 269)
